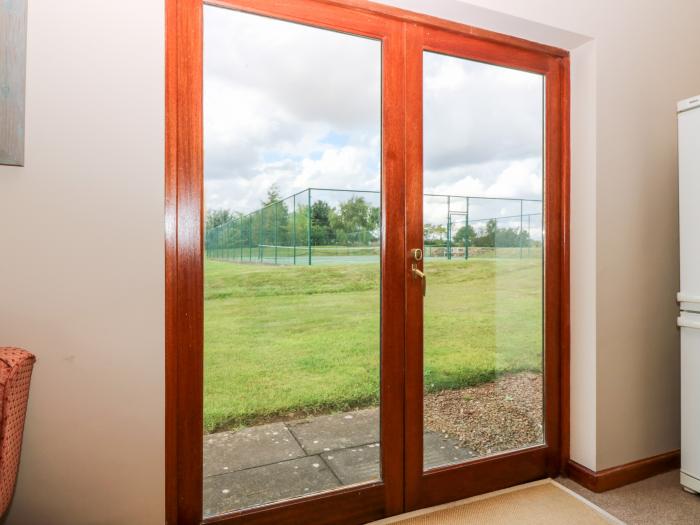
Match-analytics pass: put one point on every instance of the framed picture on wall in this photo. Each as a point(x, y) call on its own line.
point(13, 58)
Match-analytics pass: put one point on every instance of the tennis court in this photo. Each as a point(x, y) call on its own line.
point(331, 227)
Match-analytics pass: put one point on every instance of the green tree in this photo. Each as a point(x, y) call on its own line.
point(465, 233)
point(493, 236)
point(273, 195)
point(375, 217)
point(356, 220)
point(434, 234)
point(440, 231)
point(487, 237)
point(274, 218)
point(511, 237)
point(216, 217)
point(321, 230)
point(427, 233)
point(355, 214)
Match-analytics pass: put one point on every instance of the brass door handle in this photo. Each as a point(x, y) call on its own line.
point(417, 274)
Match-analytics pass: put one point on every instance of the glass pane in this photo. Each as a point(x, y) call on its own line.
point(483, 236)
point(292, 296)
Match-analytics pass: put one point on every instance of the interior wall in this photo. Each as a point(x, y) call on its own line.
point(81, 264)
point(647, 55)
point(81, 271)
point(583, 395)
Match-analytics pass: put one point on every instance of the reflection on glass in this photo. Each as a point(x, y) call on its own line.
point(483, 236)
point(292, 189)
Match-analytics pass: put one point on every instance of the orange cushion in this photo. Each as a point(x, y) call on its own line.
point(15, 373)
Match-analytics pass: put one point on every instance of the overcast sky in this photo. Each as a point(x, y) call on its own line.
point(300, 107)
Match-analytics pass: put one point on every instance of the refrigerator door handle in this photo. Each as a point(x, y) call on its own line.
point(685, 298)
point(686, 323)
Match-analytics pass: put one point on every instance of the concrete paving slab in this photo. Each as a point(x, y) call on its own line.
point(361, 464)
point(260, 485)
point(264, 464)
point(355, 464)
point(226, 452)
point(440, 450)
point(336, 431)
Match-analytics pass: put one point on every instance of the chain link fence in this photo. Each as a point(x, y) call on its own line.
point(332, 226)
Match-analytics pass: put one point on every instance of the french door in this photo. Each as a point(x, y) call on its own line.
point(464, 97)
point(366, 261)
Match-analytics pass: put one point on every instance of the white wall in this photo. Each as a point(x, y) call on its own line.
point(81, 269)
point(647, 55)
point(583, 362)
point(81, 264)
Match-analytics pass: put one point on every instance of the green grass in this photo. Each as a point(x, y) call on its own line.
point(282, 339)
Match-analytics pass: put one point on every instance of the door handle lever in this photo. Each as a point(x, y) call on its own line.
point(417, 274)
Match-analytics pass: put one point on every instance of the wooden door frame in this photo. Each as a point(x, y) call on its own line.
point(184, 275)
point(184, 250)
point(485, 474)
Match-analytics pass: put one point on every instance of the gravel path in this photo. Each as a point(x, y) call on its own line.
point(502, 415)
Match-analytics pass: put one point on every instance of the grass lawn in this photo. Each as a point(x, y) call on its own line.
point(282, 339)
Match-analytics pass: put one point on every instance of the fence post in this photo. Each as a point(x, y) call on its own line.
point(308, 225)
point(449, 231)
point(294, 228)
point(520, 237)
point(275, 235)
point(466, 233)
point(260, 237)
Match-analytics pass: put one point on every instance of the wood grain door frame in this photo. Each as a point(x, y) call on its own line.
point(184, 252)
point(184, 274)
point(453, 482)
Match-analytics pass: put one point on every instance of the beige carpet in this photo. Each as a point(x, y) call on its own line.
point(655, 501)
point(540, 503)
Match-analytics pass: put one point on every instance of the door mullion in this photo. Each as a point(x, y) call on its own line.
point(414, 239)
point(393, 284)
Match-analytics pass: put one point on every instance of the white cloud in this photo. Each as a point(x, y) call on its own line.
point(300, 107)
point(521, 179)
point(476, 113)
point(514, 180)
point(342, 168)
point(286, 104)
point(317, 75)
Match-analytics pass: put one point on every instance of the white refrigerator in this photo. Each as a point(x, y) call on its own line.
point(689, 296)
